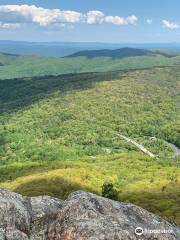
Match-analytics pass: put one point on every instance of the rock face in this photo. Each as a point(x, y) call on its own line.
point(26, 218)
point(83, 216)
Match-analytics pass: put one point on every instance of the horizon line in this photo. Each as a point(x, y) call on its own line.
point(91, 42)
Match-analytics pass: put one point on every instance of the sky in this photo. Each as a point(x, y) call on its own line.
point(115, 21)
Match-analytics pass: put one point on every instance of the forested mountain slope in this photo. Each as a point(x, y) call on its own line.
point(118, 53)
point(15, 66)
point(62, 131)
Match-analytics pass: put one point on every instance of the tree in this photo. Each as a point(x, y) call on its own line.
point(108, 191)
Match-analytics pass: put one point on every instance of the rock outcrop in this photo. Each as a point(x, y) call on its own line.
point(83, 216)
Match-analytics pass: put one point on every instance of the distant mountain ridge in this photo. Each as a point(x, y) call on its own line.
point(117, 53)
point(15, 66)
point(10, 54)
point(61, 49)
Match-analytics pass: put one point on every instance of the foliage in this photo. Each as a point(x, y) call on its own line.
point(59, 134)
point(32, 66)
point(137, 178)
point(108, 191)
point(115, 53)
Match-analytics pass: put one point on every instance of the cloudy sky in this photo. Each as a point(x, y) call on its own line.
point(90, 20)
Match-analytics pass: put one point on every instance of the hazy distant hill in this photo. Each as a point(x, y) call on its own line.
point(51, 49)
point(117, 53)
point(15, 66)
point(60, 49)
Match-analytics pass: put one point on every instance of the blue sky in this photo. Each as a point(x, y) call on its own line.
point(91, 20)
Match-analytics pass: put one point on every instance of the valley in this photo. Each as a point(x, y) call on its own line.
point(60, 133)
point(89, 120)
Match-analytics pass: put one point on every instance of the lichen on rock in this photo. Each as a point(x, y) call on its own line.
point(83, 216)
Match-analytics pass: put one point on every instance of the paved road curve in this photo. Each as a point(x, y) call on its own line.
point(139, 146)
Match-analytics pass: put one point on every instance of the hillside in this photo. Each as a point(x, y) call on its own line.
point(125, 52)
point(61, 49)
point(117, 53)
point(63, 131)
point(17, 66)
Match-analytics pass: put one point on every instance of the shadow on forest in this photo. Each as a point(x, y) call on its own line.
point(19, 93)
point(16, 94)
point(2, 139)
point(164, 203)
point(56, 187)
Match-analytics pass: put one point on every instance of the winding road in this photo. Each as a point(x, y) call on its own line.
point(175, 149)
point(139, 146)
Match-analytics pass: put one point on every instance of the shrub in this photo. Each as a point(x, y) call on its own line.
point(108, 191)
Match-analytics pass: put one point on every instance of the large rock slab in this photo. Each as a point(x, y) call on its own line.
point(83, 216)
point(44, 212)
point(15, 217)
point(24, 218)
point(87, 216)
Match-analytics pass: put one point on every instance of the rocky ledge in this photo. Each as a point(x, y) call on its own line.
point(83, 216)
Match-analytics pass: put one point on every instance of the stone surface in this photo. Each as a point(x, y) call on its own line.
point(44, 212)
point(26, 218)
point(83, 216)
point(15, 218)
point(87, 216)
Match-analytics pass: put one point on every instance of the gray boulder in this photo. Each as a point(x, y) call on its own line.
point(26, 218)
point(15, 217)
point(87, 216)
point(83, 216)
point(43, 212)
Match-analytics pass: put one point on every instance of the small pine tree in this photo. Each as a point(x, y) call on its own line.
point(108, 191)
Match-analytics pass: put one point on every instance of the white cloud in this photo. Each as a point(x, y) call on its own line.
point(149, 21)
point(120, 20)
point(33, 14)
point(131, 20)
point(94, 17)
point(9, 25)
point(170, 25)
point(18, 14)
